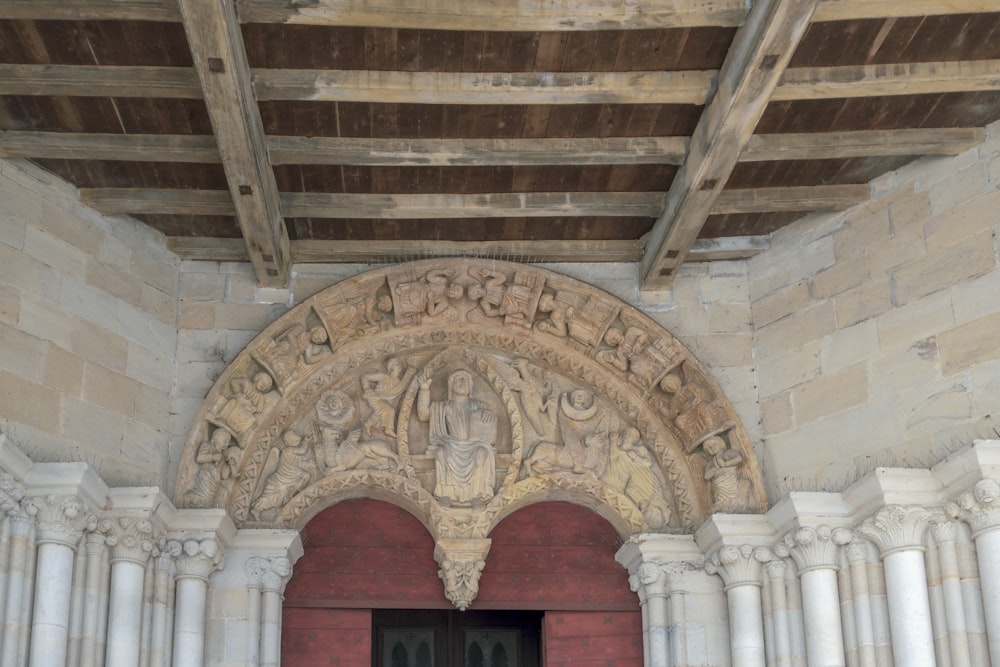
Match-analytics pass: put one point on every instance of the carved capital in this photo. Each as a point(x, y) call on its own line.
point(94, 543)
point(979, 508)
point(857, 552)
point(60, 519)
point(776, 568)
point(269, 573)
point(11, 494)
point(897, 528)
point(462, 563)
point(945, 531)
point(130, 538)
point(816, 548)
point(195, 558)
point(739, 566)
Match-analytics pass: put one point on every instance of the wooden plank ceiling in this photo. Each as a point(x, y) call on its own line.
point(657, 131)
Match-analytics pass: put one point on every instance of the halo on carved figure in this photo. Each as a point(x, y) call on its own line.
point(356, 391)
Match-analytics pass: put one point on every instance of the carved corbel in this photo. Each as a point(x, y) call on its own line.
point(462, 563)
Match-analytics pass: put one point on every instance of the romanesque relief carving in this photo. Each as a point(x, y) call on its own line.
point(427, 299)
point(503, 299)
point(730, 487)
point(462, 441)
point(463, 390)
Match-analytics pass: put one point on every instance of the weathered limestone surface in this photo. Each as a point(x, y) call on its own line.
point(88, 333)
point(876, 330)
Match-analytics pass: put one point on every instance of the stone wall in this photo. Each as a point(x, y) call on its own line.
point(877, 331)
point(87, 331)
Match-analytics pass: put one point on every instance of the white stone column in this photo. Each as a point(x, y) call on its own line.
point(782, 649)
point(18, 585)
point(159, 643)
point(864, 629)
point(94, 549)
point(255, 568)
point(277, 575)
point(650, 581)
point(195, 561)
point(981, 510)
point(816, 554)
point(946, 536)
point(898, 532)
point(132, 542)
point(740, 569)
point(60, 521)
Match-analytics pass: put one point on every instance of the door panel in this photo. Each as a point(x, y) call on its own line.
point(433, 638)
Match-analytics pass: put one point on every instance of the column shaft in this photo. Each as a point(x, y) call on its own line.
point(779, 604)
point(746, 625)
point(17, 583)
point(159, 642)
point(53, 588)
point(988, 554)
point(91, 599)
point(863, 625)
point(909, 609)
point(270, 626)
point(821, 615)
point(125, 613)
point(189, 622)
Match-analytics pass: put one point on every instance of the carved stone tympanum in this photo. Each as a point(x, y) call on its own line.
point(463, 390)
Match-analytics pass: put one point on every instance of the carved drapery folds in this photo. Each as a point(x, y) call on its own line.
point(464, 390)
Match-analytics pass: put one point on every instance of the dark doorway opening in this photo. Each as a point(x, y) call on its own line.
point(450, 638)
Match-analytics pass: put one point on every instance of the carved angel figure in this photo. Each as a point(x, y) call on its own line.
point(462, 437)
point(286, 472)
point(379, 389)
point(730, 490)
point(633, 471)
point(534, 388)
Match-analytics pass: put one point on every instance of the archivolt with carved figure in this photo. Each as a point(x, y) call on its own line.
point(463, 390)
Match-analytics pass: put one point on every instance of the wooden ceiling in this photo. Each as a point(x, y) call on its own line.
point(658, 131)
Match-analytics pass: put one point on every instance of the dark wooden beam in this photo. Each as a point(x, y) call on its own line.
point(759, 54)
point(216, 42)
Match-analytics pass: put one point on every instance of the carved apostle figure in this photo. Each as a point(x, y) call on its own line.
point(210, 457)
point(247, 401)
point(462, 440)
point(293, 469)
point(730, 490)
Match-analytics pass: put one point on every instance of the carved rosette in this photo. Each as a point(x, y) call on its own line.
point(195, 559)
point(59, 519)
point(979, 508)
point(528, 337)
point(815, 548)
point(461, 563)
point(897, 528)
point(739, 566)
point(130, 538)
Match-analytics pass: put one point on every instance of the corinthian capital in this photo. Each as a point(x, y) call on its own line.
point(980, 508)
point(816, 548)
point(739, 565)
point(195, 558)
point(897, 527)
point(130, 538)
point(60, 519)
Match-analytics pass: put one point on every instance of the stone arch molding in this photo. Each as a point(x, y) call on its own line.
point(463, 390)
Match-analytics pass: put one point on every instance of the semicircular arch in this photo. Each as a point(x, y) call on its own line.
point(463, 390)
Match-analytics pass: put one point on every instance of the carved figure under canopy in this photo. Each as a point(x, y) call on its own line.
point(293, 469)
point(283, 356)
point(428, 299)
point(462, 440)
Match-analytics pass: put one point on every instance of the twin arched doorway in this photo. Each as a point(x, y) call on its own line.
point(367, 592)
